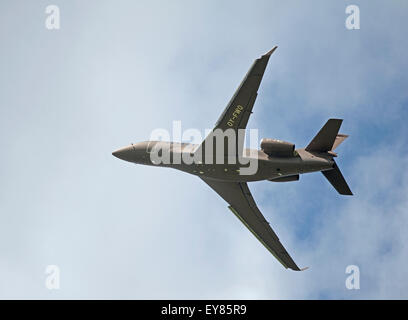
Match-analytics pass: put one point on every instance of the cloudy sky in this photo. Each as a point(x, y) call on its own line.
point(117, 70)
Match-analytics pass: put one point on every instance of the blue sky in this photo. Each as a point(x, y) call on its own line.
point(117, 70)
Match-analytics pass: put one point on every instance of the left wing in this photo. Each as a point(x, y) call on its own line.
point(242, 204)
point(238, 110)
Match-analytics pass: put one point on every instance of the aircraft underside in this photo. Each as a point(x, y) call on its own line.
point(276, 161)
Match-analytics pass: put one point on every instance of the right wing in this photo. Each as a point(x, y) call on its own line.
point(242, 204)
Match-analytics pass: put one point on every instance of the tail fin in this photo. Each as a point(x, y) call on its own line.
point(325, 140)
point(339, 139)
point(337, 180)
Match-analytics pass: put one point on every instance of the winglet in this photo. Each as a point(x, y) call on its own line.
point(270, 52)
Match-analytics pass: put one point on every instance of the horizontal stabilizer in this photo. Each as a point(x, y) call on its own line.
point(325, 139)
point(337, 180)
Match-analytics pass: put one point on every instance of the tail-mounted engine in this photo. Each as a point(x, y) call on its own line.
point(277, 148)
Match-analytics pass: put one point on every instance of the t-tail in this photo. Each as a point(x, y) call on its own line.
point(326, 141)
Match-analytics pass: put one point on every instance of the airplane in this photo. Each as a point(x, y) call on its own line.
point(277, 160)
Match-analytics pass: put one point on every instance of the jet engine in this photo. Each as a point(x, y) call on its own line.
point(277, 148)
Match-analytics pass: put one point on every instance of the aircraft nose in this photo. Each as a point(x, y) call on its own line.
point(124, 153)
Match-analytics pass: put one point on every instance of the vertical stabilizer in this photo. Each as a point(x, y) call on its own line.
point(339, 139)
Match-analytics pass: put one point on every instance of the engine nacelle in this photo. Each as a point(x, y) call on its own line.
point(277, 148)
